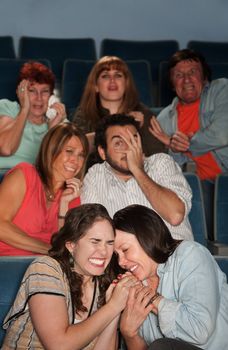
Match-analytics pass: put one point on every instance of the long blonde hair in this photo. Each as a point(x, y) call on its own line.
point(89, 104)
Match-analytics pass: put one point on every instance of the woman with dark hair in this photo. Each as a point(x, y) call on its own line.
point(65, 301)
point(23, 123)
point(35, 199)
point(189, 306)
point(110, 89)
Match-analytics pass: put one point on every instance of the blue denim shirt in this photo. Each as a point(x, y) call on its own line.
point(195, 303)
point(213, 133)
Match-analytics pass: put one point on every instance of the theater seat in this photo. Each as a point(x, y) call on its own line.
point(12, 270)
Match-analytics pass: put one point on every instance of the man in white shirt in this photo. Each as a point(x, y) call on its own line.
point(127, 177)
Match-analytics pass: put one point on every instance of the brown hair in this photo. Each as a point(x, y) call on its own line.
point(89, 103)
point(37, 72)
point(51, 146)
point(189, 55)
point(77, 222)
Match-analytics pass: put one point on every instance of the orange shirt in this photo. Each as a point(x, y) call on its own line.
point(188, 121)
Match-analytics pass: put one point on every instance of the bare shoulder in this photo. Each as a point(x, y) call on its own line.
point(12, 192)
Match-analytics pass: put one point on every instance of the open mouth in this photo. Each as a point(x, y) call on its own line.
point(97, 262)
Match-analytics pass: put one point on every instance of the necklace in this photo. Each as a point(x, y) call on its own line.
point(93, 299)
point(49, 196)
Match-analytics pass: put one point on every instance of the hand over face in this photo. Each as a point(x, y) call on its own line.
point(133, 150)
point(22, 94)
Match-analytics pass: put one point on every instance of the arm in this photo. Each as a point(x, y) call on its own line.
point(50, 319)
point(193, 315)
point(134, 314)
point(164, 201)
point(72, 191)
point(215, 134)
point(11, 130)
point(12, 192)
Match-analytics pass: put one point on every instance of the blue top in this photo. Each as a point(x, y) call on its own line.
point(195, 303)
point(30, 141)
point(213, 133)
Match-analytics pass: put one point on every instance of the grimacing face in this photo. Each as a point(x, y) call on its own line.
point(92, 253)
point(132, 257)
point(188, 81)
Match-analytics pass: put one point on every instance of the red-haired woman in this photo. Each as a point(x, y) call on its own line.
point(23, 124)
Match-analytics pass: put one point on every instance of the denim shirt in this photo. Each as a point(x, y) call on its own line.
point(213, 117)
point(195, 303)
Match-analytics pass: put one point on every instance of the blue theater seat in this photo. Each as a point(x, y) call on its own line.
point(12, 270)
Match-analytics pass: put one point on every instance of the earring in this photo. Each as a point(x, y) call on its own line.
point(71, 260)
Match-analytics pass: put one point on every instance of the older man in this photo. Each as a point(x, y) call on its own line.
point(126, 177)
point(195, 126)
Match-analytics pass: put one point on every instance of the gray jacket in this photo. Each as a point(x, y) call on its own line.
point(213, 133)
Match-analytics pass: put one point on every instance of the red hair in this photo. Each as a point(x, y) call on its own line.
point(38, 73)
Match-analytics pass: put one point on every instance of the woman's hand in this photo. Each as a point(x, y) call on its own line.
point(136, 311)
point(118, 291)
point(156, 130)
point(72, 191)
point(60, 116)
point(138, 116)
point(23, 96)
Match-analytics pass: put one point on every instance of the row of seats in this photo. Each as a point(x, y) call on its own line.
point(154, 52)
point(197, 213)
point(75, 73)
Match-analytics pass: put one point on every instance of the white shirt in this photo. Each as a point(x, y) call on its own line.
point(101, 185)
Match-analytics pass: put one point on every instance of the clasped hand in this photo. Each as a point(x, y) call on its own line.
point(178, 142)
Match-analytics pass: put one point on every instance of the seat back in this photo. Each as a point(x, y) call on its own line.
point(141, 72)
point(7, 47)
point(223, 263)
point(75, 74)
point(12, 270)
point(212, 51)
point(9, 71)
point(57, 50)
point(221, 209)
point(165, 91)
point(219, 69)
point(197, 213)
point(153, 51)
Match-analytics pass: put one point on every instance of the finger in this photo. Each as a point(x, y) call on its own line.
point(181, 135)
point(179, 140)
